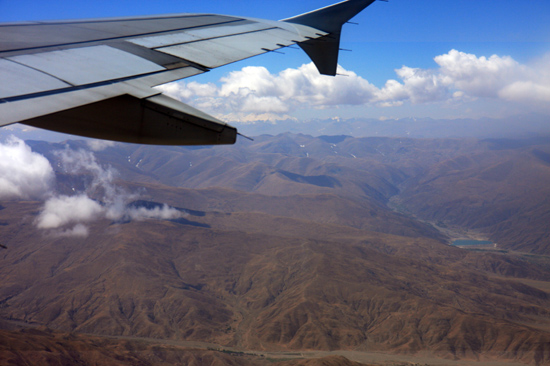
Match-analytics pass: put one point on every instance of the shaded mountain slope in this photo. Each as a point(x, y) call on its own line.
point(503, 193)
point(320, 208)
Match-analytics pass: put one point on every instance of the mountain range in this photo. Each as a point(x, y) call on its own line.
point(520, 126)
point(288, 243)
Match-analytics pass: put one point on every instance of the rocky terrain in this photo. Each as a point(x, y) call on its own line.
point(287, 243)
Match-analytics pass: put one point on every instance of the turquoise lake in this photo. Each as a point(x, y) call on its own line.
point(472, 242)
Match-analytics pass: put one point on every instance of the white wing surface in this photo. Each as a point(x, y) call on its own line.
point(95, 77)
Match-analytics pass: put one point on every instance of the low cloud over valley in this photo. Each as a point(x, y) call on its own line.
point(28, 175)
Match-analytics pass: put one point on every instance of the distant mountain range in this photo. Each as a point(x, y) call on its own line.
point(288, 243)
point(509, 127)
point(497, 187)
point(520, 126)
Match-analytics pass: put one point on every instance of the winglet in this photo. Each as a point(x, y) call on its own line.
point(324, 51)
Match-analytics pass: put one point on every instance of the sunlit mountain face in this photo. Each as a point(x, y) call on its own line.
point(381, 250)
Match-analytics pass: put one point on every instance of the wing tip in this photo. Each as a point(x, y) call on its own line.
point(324, 51)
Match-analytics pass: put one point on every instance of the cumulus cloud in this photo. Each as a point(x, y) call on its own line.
point(418, 86)
point(24, 174)
point(64, 210)
point(257, 89)
point(253, 93)
point(479, 76)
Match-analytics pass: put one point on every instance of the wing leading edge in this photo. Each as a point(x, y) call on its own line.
point(95, 78)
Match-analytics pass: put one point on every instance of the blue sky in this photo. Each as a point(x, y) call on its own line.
point(390, 35)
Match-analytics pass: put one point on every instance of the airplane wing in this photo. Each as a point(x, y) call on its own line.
point(95, 77)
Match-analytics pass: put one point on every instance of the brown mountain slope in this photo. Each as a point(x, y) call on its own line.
point(320, 208)
point(264, 291)
point(370, 167)
point(504, 194)
point(45, 347)
point(496, 187)
point(316, 261)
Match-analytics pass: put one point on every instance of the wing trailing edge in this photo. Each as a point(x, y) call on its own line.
point(324, 51)
point(158, 120)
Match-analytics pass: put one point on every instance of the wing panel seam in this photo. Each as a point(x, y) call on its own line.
point(217, 37)
point(40, 71)
point(79, 87)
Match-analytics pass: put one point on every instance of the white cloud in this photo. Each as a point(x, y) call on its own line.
point(64, 210)
point(478, 76)
point(24, 174)
point(253, 93)
point(100, 145)
point(78, 230)
point(191, 90)
point(102, 178)
point(164, 213)
point(67, 215)
point(419, 86)
point(526, 92)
